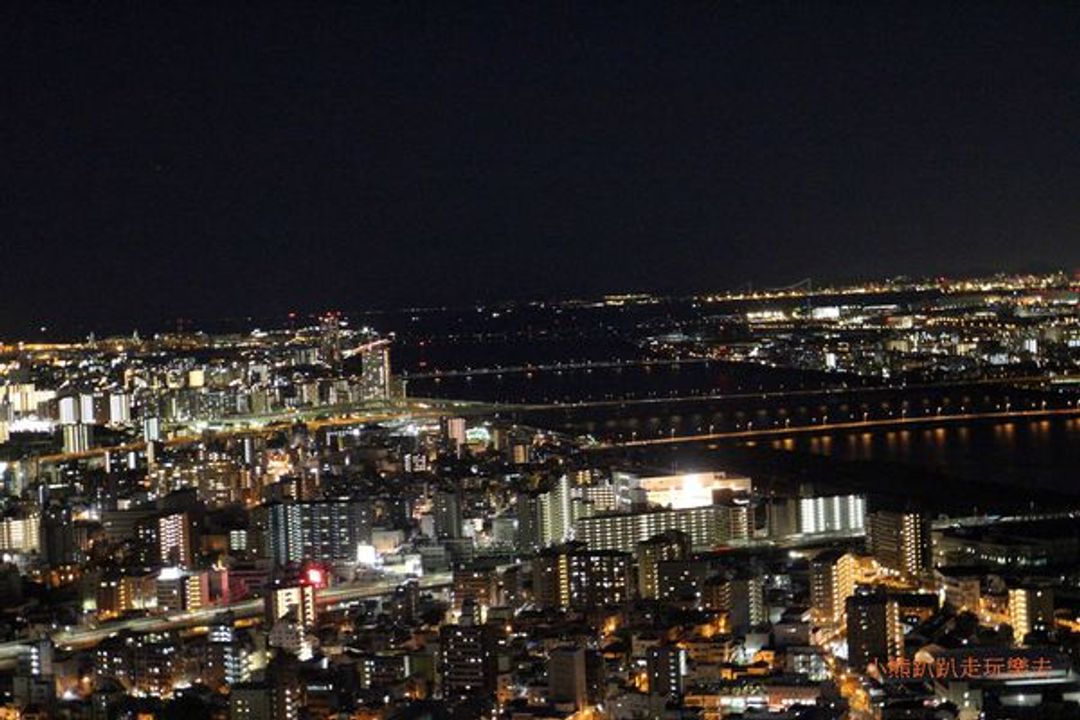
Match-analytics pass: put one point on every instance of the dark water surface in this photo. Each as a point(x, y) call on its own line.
point(1027, 453)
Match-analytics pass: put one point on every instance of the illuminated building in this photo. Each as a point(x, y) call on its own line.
point(680, 582)
point(113, 659)
point(571, 576)
point(319, 530)
point(228, 657)
point(529, 537)
point(37, 659)
point(330, 339)
point(476, 583)
point(741, 596)
point(375, 370)
point(23, 398)
point(278, 697)
point(88, 413)
point(69, 410)
point(250, 701)
point(504, 532)
point(156, 663)
point(900, 541)
point(469, 662)
point(676, 492)
point(1009, 543)
point(832, 582)
point(119, 408)
point(808, 661)
point(874, 633)
point(404, 604)
point(556, 513)
point(670, 545)
point(174, 540)
point(77, 438)
point(383, 669)
point(1023, 681)
point(962, 592)
point(447, 515)
point(292, 601)
point(58, 536)
point(548, 518)
point(519, 453)
point(836, 513)
point(180, 590)
point(707, 527)
point(151, 429)
point(292, 638)
point(20, 533)
point(1031, 610)
point(667, 670)
point(34, 683)
point(456, 433)
point(117, 594)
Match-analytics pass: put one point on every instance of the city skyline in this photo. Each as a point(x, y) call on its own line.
point(427, 360)
point(73, 330)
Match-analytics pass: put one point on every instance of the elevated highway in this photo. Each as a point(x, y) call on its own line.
point(81, 637)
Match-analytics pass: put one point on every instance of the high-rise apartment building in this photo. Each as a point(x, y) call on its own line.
point(874, 634)
point(832, 582)
point(667, 669)
point(571, 576)
point(670, 545)
point(320, 530)
point(1031, 610)
point(375, 370)
point(741, 597)
point(900, 541)
point(447, 515)
point(469, 661)
point(707, 527)
point(174, 539)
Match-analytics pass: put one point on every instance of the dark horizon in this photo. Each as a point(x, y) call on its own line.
point(206, 161)
point(75, 328)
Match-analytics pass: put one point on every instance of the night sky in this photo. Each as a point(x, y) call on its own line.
point(176, 159)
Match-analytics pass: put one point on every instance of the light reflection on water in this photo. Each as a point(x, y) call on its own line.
point(1039, 453)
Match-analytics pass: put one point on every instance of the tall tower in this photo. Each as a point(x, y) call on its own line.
point(900, 541)
point(330, 339)
point(832, 582)
point(375, 370)
point(174, 539)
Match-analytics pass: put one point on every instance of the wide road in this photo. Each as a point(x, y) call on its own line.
point(83, 637)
